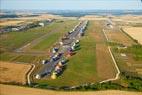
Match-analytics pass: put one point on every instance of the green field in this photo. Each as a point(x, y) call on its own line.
point(131, 62)
point(81, 67)
point(14, 40)
point(58, 33)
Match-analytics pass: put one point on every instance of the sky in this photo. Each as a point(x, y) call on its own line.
point(71, 4)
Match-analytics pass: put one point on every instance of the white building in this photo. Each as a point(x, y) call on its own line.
point(41, 24)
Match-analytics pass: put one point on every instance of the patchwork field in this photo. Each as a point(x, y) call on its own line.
point(13, 73)
point(134, 32)
point(128, 58)
point(92, 62)
point(132, 62)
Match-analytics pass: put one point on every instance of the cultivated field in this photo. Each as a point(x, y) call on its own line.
point(130, 63)
point(16, 90)
point(119, 37)
point(13, 73)
point(134, 32)
point(11, 22)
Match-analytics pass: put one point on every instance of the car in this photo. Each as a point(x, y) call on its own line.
point(55, 49)
point(45, 61)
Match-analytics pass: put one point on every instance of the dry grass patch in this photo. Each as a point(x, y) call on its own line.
point(134, 32)
point(10, 22)
point(105, 65)
point(13, 73)
point(119, 37)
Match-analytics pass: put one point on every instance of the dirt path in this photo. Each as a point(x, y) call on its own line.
point(114, 61)
point(17, 90)
point(29, 74)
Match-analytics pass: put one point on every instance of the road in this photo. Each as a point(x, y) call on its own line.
point(29, 73)
point(49, 67)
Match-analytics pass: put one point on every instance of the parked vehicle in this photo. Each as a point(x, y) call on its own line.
point(45, 61)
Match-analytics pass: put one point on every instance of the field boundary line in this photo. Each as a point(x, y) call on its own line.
point(118, 71)
point(114, 61)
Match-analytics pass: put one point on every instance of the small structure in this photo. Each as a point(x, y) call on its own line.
point(123, 54)
point(70, 32)
point(38, 76)
point(55, 49)
point(73, 48)
point(61, 43)
point(53, 76)
point(122, 47)
point(77, 41)
point(70, 52)
point(44, 61)
point(41, 24)
point(55, 57)
point(15, 29)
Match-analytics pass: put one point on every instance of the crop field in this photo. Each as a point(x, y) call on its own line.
point(13, 73)
point(11, 22)
point(129, 59)
point(119, 37)
point(134, 32)
point(131, 63)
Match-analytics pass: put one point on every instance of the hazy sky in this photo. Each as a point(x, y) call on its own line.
point(71, 4)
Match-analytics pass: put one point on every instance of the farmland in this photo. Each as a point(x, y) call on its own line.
point(13, 73)
point(134, 32)
point(91, 63)
point(11, 22)
point(118, 36)
point(125, 44)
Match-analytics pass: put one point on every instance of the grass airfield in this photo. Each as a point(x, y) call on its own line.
point(92, 62)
